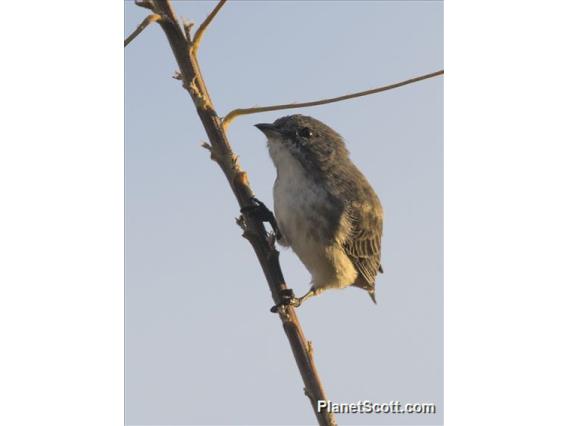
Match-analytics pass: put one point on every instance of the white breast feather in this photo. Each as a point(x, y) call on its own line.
point(295, 197)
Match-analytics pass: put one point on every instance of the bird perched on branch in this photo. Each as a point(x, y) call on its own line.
point(325, 209)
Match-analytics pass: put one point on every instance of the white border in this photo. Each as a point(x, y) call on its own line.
point(61, 180)
point(61, 220)
point(506, 213)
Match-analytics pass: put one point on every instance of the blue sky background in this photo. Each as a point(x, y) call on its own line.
point(200, 344)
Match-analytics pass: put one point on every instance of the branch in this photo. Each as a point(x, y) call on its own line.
point(147, 21)
point(254, 230)
point(245, 111)
point(147, 4)
point(204, 25)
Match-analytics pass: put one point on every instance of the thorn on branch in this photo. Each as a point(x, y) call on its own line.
point(187, 26)
point(213, 153)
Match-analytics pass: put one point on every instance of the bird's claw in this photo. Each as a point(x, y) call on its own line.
point(262, 213)
point(287, 298)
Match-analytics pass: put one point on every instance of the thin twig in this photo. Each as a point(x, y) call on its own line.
point(245, 111)
point(201, 30)
point(147, 21)
point(147, 4)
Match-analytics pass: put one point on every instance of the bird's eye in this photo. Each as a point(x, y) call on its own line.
point(305, 132)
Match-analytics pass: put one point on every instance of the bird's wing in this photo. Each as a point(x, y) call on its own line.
point(363, 246)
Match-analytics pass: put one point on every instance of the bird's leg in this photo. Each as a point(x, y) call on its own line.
point(313, 292)
point(262, 213)
point(289, 299)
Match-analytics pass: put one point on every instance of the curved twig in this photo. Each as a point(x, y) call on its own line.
point(147, 21)
point(245, 111)
point(201, 30)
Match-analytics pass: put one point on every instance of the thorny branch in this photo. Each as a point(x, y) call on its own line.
point(245, 111)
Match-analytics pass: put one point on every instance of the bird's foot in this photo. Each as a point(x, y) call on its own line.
point(259, 210)
point(288, 299)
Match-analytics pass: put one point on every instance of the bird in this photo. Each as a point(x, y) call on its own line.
point(325, 209)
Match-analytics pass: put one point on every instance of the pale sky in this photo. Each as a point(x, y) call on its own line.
point(201, 346)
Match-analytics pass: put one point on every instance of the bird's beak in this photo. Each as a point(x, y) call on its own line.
point(266, 128)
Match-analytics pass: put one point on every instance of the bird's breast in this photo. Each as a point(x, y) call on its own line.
point(303, 209)
point(309, 219)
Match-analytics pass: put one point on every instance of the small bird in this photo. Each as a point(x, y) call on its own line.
point(325, 209)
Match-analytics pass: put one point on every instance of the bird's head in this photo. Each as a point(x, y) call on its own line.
point(312, 143)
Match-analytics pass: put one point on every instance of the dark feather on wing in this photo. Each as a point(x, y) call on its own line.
point(364, 244)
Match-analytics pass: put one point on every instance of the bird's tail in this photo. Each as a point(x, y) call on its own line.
point(372, 295)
